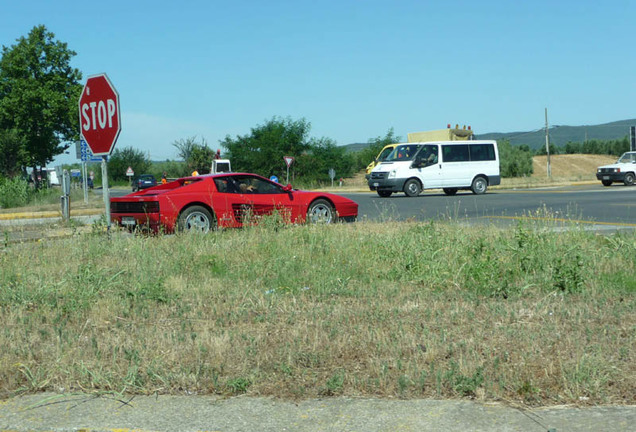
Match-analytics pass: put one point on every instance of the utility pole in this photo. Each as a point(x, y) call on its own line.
point(547, 143)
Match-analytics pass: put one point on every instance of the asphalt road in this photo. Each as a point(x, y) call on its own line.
point(591, 205)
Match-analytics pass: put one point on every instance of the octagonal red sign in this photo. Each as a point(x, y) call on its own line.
point(99, 114)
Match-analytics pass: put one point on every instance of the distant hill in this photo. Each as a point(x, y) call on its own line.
point(355, 147)
point(559, 135)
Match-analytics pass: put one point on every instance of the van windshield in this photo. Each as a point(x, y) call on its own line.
point(405, 152)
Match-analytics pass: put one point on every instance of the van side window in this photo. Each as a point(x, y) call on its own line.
point(456, 153)
point(482, 152)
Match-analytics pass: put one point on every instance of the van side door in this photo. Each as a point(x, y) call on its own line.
point(455, 168)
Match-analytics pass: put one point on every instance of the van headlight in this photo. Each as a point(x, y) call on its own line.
point(392, 174)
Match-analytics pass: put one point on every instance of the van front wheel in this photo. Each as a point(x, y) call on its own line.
point(412, 188)
point(479, 186)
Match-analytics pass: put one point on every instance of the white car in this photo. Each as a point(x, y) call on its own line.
point(624, 170)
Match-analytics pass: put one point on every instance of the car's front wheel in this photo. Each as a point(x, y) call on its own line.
point(321, 212)
point(384, 193)
point(628, 179)
point(196, 219)
point(606, 182)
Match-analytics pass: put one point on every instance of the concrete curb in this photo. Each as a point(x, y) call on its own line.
point(49, 214)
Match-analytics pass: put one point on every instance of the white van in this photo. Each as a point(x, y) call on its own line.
point(447, 165)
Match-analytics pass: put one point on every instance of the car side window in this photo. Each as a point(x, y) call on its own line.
point(247, 185)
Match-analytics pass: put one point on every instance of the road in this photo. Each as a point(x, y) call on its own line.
point(593, 205)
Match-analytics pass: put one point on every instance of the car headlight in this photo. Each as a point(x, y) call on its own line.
point(392, 174)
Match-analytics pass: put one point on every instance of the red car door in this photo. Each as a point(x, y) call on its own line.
point(246, 198)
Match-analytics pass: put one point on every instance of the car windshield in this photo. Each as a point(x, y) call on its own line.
point(403, 152)
point(627, 158)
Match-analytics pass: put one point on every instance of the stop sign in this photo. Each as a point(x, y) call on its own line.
point(99, 114)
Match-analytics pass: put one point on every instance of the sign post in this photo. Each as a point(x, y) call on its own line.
point(130, 173)
point(288, 160)
point(332, 175)
point(100, 124)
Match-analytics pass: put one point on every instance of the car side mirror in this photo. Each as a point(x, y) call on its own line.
point(287, 188)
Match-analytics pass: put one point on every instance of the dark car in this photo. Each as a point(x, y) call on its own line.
point(144, 181)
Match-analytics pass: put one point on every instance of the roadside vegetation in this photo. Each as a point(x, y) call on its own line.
point(436, 310)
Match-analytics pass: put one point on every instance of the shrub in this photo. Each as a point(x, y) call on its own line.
point(13, 192)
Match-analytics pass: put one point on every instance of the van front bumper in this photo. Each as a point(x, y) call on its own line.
point(389, 185)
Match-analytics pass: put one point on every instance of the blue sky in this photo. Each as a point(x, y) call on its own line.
point(353, 69)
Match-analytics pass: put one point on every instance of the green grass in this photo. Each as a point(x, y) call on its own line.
point(392, 310)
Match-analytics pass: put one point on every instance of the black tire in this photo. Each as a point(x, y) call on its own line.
point(384, 194)
point(321, 212)
point(628, 179)
point(479, 186)
point(196, 219)
point(606, 182)
point(450, 191)
point(412, 188)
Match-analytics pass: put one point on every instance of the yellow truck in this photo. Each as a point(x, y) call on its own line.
point(448, 134)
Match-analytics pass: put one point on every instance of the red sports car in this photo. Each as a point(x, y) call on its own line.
point(208, 202)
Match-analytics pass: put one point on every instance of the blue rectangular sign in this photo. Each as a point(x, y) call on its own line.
point(86, 154)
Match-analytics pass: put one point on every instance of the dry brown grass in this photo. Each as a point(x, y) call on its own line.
point(389, 310)
point(574, 167)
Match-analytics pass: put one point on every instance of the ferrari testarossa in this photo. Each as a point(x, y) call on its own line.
point(226, 200)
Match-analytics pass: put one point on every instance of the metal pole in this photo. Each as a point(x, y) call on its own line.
point(85, 182)
point(547, 142)
point(106, 191)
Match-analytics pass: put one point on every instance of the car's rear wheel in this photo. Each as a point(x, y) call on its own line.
point(628, 179)
point(479, 185)
point(196, 219)
point(384, 193)
point(606, 182)
point(450, 191)
point(412, 188)
point(321, 212)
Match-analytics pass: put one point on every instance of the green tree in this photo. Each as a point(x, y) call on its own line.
point(196, 155)
point(121, 159)
point(324, 155)
point(184, 147)
point(366, 156)
point(201, 158)
point(13, 154)
point(515, 161)
point(262, 151)
point(39, 91)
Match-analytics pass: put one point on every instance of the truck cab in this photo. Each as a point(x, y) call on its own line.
point(220, 166)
